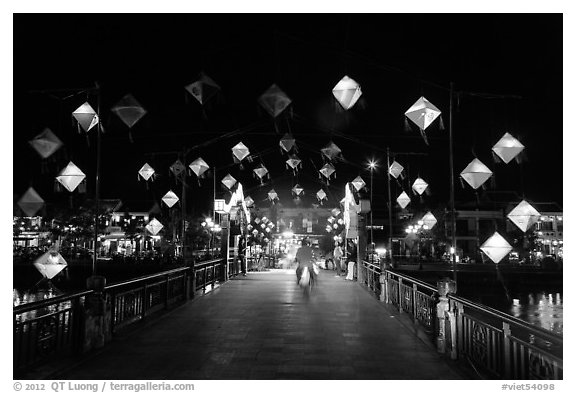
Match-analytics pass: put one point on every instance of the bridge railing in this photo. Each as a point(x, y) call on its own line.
point(497, 345)
point(371, 276)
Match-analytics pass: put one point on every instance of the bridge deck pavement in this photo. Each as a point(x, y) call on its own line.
point(262, 327)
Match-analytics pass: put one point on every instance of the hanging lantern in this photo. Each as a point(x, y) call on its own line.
point(129, 110)
point(177, 168)
point(240, 152)
point(229, 181)
point(476, 173)
point(327, 170)
point(331, 151)
point(86, 117)
point(46, 143)
point(297, 190)
point(395, 169)
point(199, 166)
point(249, 201)
point(30, 202)
point(507, 148)
point(203, 89)
point(154, 227)
point(274, 101)
point(272, 195)
point(261, 172)
point(294, 163)
point(347, 92)
point(358, 183)
point(146, 172)
point(170, 199)
point(321, 195)
point(524, 216)
point(255, 232)
point(50, 264)
point(335, 211)
point(496, 247)
point(70, 177)
point(419, 186)
point(423, 113)
point(288, 143)
point(403, 200)
point(429, 220)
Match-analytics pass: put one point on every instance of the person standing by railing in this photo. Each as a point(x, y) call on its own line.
point(242, 254)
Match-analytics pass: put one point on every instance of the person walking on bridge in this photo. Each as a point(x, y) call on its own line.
point(337, 253)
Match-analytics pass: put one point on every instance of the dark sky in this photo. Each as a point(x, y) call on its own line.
point(395, 58)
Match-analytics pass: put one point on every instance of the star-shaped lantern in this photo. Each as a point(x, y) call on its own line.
point(30, 202)
point(496, 247)
point(177, 168)
point(249, 201)
point(476, 173)
point(170, 198)
point(146, 172)
point(154, 226)
point(46, 143)
point(272, 195)
point(429, 220)
point(288, 143)
point(70, 177)
point(199, 166)
point(86, 117)
point(347, 92)
point(403, 200)
point(327, 170)
point(524, 216)
point(358, 183)
point(240, 152)
point(203, 89)
point(274, 101)
point(129, 110)
point(50, 264)
point(321, 195)
point(419, 186)
point(423, 113)
point(261, 172)
point(507, 148)
point(395, 169)
point(229, 181)
point(331, 151)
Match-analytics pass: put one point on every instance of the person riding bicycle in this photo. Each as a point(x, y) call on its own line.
point(304, 257)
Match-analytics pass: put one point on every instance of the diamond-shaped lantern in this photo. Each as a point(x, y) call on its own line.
point(272, 195)
point(476, 173)
point(154, 226)
point(146, 172)
point(321, 195)
point(347, 92)
point(86, 116)
point(331, 151)
point(50, 264)
point(422, 113)
point(419, 186)
point(274, 101)
point(288, 143)
point(294, 162)
point(229, 181)
point(70, 177)
point(46, 143)
point(395, 169)
point(524, 216)
point(403, 200)
point(199, 166)
point(129, 110)
point(177, 168)
point(507, 148)
point(170, 198)
point(327, 170)
point(261, 172)
point(429, 220)
point(358, 183)
point(335, 211)
point(496, 247)
point(240, 152)
point(249, 201)
point(203, 89)
point(297, 190)
point(30, 202)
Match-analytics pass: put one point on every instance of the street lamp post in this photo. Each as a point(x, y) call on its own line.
point(371, 165)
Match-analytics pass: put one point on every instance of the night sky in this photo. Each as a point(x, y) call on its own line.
point(507, 70)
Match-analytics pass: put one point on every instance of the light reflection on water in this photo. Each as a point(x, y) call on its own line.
point(36, 295)
point(542, 309)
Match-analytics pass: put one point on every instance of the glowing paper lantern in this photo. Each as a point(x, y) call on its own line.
point(335, 211)
point(476, 173)
point(30, 202)
point(358, 183)
point(496, 247)
point(199, 166)
point(507, 148)
point(170, 199)
point(249, 201)
point(294, 163)
point(321, 195)
point(240, 152)
point(395, 169)
point(203, 89)
point(524, 216)
point(272, 195)
point(177, 168)
point(129, 110)
point(297, 190)
point(154, 226)
point(70, 177)
point(327, 170)
point(274, 101)
point(331, 151)
point(86, 116)
point(50, 264)
point(429, 220)
point(229, 181)
point(288, 143)
point(403, 200)
point(419, 186)
point(261, 172)
point(422, 113)
point(347, 92)
point(46, 143)
point(146, 172)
